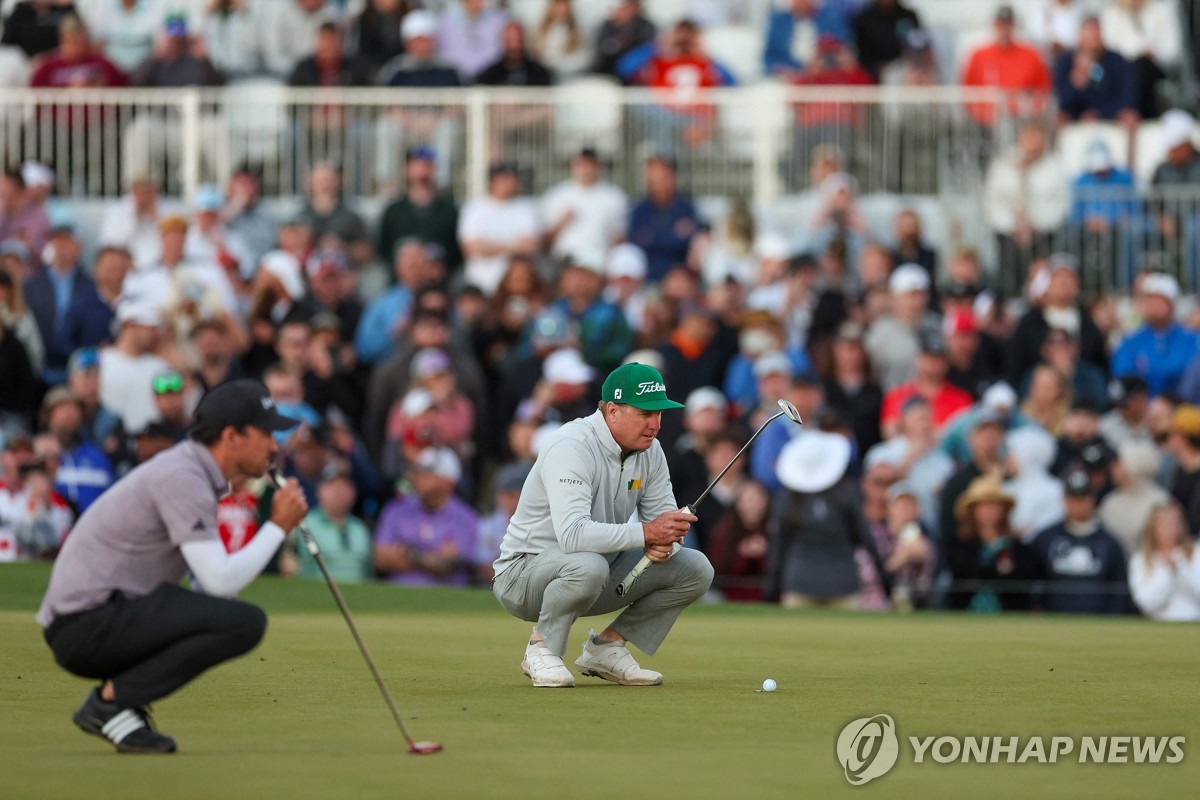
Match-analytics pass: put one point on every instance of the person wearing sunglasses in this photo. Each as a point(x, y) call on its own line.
point(171, 401)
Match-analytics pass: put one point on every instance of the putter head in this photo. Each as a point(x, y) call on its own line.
point(423, 748)
point(790, 411)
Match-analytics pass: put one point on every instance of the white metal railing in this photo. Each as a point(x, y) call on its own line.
point(760, 143)
point(744, 141)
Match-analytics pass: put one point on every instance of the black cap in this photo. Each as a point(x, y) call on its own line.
point(503, 168)
point(1005, 14)
point(933, 343)
point(1096, 454)
point(1123, 389)
point(159, 430)
point(237, 404)
point(1084, 405)
point(1077, 483)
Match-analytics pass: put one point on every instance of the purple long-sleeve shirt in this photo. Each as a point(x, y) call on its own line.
point(409, 523)
point(471, 45)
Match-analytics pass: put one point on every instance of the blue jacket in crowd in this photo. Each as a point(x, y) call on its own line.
point(781, 30)
point(1158, 358)
point(373, 339)
point(664, 233)
point(84, 472)
point(1110, 196)
point(87, 323)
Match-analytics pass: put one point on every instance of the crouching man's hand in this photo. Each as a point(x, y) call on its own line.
point(659, 553)
point(668, 528)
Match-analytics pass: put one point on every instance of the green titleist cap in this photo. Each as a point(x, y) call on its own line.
point(637, 385)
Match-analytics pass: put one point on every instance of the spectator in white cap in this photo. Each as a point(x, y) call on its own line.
point(1180, 168)
point(893, 340)
point(1058, 307)
point(129, 365)
point(427, 538)
point(412, 426)
point(584, 212)
point(705, 415)
point(565, 391)
point(209, 241)
point(999, 403)
point(410, 131)
point(1161, 349)
point(706, 438)
point(769, 290)
point(761, 333)
point(1104, 202)
point(626, 271)
point(39, 191)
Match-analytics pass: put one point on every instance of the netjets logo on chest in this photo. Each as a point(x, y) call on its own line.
point(649, 387)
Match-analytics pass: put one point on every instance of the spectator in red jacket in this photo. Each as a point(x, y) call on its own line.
point(678, 64)
point(944, 398)
point(75, 64)
point(1010, 65)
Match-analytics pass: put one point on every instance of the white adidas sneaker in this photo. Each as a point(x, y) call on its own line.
point(545, 668)
point(612, 661)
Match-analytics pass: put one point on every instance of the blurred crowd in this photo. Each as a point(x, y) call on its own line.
point(964, 446)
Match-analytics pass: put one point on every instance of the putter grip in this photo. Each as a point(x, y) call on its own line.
point(633, 575)
point(640, 567)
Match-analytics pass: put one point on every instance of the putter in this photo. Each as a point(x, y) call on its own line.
point(310, 544)
point(786, 410)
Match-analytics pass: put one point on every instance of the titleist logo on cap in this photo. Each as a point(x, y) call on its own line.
point(650, 386)
point(267, 403)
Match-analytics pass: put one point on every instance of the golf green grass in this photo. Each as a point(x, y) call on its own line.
point(300, 717)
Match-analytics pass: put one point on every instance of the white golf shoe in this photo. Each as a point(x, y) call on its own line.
point(544, 668)
point(612, 661)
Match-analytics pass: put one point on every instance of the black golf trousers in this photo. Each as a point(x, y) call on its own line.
point(150, 646)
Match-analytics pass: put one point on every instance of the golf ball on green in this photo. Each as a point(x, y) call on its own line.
point(769, 685)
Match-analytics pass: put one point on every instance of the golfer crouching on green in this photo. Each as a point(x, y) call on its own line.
point(597, 500)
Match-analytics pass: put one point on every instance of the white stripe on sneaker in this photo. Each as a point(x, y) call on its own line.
point(123, 724)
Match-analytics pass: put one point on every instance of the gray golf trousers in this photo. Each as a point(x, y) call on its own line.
point(554, 589)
